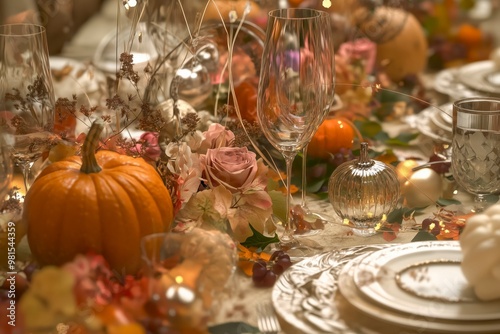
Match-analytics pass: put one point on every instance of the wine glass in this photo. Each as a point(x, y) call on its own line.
point(5, 166)
point(296, 86)
point(475, 155)
point(26, 93)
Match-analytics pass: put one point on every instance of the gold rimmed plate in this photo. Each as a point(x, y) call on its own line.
point(423, 279)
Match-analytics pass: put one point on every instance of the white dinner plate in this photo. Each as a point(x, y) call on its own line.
point(442, 117)
point(423, 122)
point(448, 83)
point(423, 279)
point(303, 295)
point(419, 324)
point(481, 76)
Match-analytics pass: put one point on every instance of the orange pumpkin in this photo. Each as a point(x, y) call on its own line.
point(101, 202)
point(332, 135)
point(246, 95)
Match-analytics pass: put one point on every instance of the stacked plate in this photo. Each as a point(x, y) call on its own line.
point(418, 285)
point(435, 122)
point(480, 78)
point(407, 288)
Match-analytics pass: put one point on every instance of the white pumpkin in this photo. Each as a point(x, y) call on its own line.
point(480, 243)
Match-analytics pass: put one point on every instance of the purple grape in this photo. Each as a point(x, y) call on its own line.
point(259, 270)
point(284, 261)
point(268, 280)
point(338, 159)
point(276, 254)
point(277, 269)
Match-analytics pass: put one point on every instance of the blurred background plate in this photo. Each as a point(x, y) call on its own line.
point(442, 117)
point(481, 76)
point(74, 77)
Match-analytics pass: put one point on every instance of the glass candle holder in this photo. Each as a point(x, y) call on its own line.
point(362, 192)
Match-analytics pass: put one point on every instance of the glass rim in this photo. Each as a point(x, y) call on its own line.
point(462, 105)
point(280, 13)
point(3, 27)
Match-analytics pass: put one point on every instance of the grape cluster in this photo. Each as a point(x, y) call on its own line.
point(343, 155)
point(264, 274)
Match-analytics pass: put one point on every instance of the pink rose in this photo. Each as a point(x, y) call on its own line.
point(232, 167)
point(216, 136)
point(363, 49)
point(148, 146)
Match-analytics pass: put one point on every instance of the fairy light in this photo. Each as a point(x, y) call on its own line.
point(327, 3)
point(129, 4)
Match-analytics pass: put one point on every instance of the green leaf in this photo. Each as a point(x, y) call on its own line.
point(446, 202)
point(382, 136)
point(407, 137)
point(397, 215)
point(423, 236)
point(491, 198)
point(259, 240)
point(314, 187)
point(369, 128)
point(402, 139)
point(279, 204)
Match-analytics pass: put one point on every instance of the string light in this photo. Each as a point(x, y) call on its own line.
point(129, 4)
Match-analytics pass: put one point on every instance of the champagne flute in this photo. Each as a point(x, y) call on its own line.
point(296, 86)
point(26, 93)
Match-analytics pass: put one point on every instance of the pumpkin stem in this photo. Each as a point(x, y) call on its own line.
point(89, 162)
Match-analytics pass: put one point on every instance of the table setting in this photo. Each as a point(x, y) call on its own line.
point(250, 167)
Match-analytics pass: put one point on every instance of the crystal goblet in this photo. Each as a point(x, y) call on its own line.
point(475, 153)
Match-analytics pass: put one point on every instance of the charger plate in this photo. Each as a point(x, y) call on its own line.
point(423, 279)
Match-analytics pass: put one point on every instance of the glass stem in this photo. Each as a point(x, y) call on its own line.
point(26, 170)
point(287, 237)
point(480, 203)
point(304, 178)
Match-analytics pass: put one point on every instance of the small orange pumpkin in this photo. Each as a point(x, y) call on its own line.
point(101, 202)
point(332, 135)
point(246, 95)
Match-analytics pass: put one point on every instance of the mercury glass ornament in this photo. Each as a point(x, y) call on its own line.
point(193, 83)
point(362, 192)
